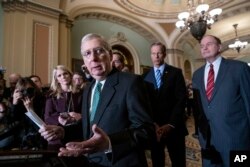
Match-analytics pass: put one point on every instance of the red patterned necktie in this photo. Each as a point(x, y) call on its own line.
point(210, 82)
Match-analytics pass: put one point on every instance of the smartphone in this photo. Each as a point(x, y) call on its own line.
point(64, 115)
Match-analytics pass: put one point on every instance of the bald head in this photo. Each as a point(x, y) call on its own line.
point(13, 78)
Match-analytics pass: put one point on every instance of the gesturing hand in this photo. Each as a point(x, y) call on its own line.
point(97, 143)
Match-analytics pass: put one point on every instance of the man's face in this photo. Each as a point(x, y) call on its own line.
point(77, 79)
point(13, 82)
point(157, 56)
point(37, 81)
point(63, 77)
point(116, 62)
point(96, 58)
point(209, 48)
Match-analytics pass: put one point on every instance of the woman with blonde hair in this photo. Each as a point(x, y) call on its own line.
point(63, 106)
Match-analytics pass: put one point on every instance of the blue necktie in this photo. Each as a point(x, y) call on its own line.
point(158, 78)
point(96, 97)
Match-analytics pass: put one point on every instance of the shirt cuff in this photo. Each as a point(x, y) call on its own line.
point(109, 150)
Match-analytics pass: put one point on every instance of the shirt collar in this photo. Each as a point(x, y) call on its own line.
point(215, 63)
point(161, 68)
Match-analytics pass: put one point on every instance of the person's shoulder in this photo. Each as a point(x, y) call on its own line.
point(235, 62)
point(127, 75)
point(199, 71)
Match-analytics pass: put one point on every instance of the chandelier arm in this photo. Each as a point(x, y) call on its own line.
point(199, 18)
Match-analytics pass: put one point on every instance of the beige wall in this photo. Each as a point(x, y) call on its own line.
point(30, 41)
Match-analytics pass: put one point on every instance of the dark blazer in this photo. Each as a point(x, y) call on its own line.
point(168, 102)
point(123, 113)
point(228, 112)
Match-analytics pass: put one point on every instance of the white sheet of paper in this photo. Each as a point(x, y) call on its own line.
point(35, 118)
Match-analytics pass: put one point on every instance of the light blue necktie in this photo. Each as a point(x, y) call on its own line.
point(96, 97)
point(158, 78)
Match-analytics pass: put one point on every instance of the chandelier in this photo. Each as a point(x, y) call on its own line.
point(237, 45)
point(197, 19)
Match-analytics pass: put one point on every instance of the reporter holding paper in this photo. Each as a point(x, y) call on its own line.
point(26, 97)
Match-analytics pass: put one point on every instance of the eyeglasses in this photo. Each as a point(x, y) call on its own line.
point(96, 51)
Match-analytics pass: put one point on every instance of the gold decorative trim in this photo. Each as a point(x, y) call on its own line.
point(64, 19)
point(133, 7)
point(174, 51)
point(29, 6)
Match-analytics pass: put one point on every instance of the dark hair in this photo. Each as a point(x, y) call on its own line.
point(24, 81)
point(80, 73)
point(121, 58)
point(163, 47)
point(35, 76)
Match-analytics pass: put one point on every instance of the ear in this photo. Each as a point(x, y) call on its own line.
point(220, 47)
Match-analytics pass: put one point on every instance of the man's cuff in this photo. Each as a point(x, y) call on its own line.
point(171, 125)
point(109, 150)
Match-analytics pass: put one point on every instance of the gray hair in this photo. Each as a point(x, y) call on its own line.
point(91, 36)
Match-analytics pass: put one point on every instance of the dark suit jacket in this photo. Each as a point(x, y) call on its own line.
point(168, 102)
point(228, 111)
point(123, 113)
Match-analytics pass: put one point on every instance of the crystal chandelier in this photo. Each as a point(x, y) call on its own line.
point(237, 45)
point(197, 19)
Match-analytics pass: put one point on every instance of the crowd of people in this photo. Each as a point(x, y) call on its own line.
point(109, 116)
point(29, 94)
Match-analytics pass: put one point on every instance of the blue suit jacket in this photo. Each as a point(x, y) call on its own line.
point(228, 112)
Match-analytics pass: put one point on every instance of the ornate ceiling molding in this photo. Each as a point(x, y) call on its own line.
point(165, 10)
point(29, 6)
point(118, 20)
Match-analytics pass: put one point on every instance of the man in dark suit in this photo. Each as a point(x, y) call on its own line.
point(121, 127)
point(168, 103)
point(227, 106)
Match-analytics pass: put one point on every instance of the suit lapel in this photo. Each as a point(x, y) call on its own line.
point(150, 77)
point(107, 93)
point(165, 78)
point(221, 73)
point(203, 89)
point(85, 109)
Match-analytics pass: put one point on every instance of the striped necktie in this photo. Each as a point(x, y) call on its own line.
point(96, 97)
point(210, 83)
point(158, 78)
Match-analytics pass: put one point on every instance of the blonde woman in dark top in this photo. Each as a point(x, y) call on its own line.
point(63, 106)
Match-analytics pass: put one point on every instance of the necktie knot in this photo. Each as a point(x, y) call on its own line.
point(96, 97)
point(158, 78)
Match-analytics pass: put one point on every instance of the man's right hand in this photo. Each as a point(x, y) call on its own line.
point(51, 132)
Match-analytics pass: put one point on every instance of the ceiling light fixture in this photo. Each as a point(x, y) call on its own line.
point(197, 19)
point(237, 45)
